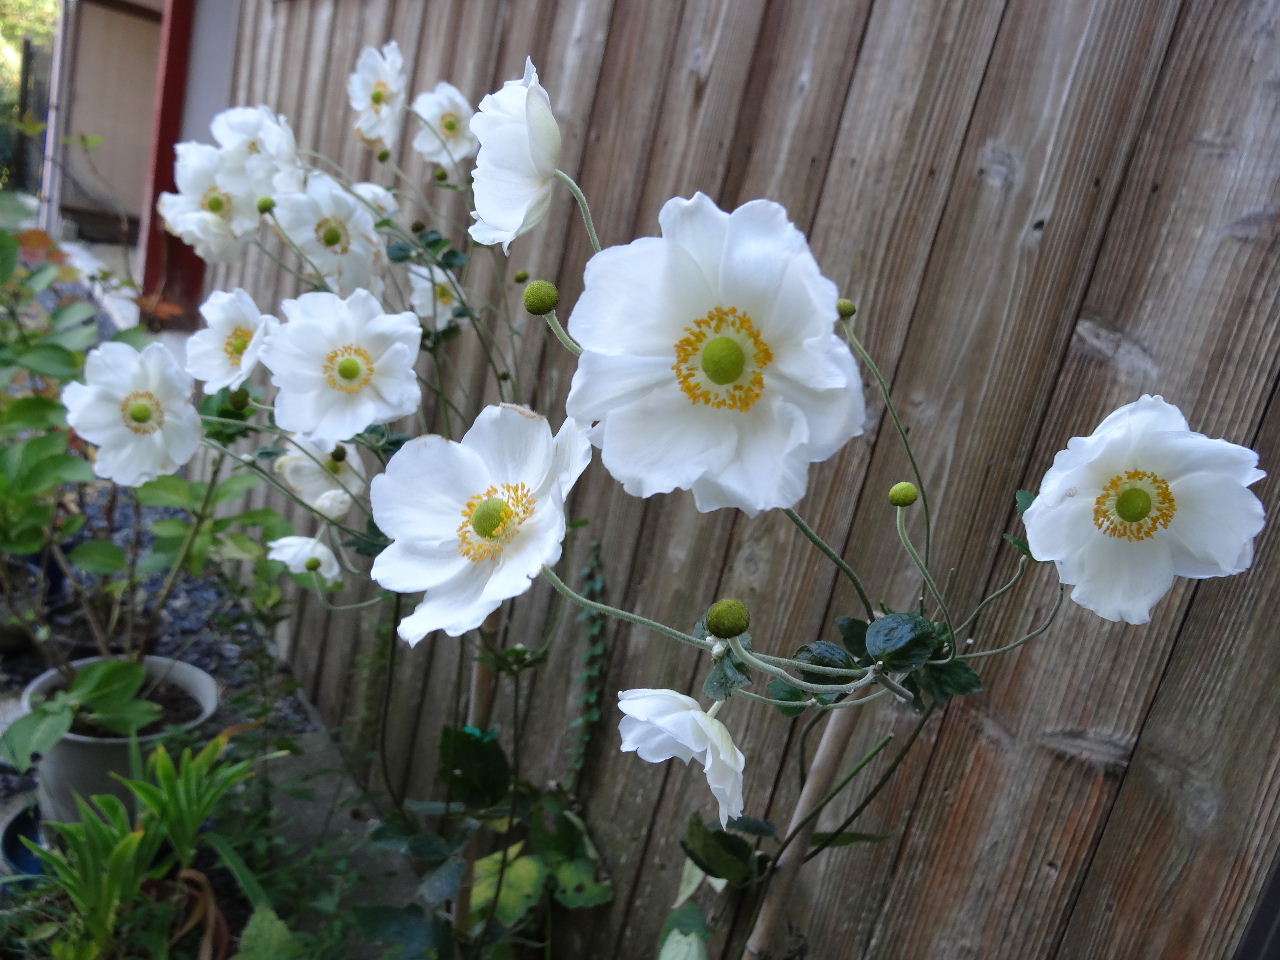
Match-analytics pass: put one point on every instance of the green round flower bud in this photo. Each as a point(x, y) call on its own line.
point(266, 204)
point(384, 155)
point(238, 399)
point(541, 297)
point(312, 564)
point(442, 174)
point(728, 618)
point(846, 308)
point(522, 276)
point(139, 412)
point(417, 226)
point(903, 494)
point(339, 454)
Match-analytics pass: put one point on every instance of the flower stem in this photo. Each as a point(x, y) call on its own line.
point(835, 558)
point(1030, 636)
point(1022, 566)
point(614, 612)
point(562, 335)
point(746, 656)
point(928, 577)
point(582, 205)
point(861, 351)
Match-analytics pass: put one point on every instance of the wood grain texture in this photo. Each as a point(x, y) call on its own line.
point(1042, 211)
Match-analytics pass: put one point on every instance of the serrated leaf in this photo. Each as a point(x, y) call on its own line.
point(942, 681)
point(779, 689)
point(1024, 499)
point(266, 937)
point(718, 853)
point(901, 641)
point(727, 675)
point(824, 653)
point(522, 881)
point(98, 556)
point(441, 884)
point(854, 634)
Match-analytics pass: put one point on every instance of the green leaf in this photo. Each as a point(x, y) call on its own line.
point(107, 681)
point(522, 882)
point(8, 256)
point(75, 339)
point(43, 275)
point(126, 717)
point(1021, 545)
point(170, 492)
point(33, 413)
point(35, 733)
point(719, 854)
point(234, 487)
point(266, 937)
point(821, 838)
point(473, 766)
point(136, 337)
point(50, 360)
point(61, 468)
point(689, 919)
point(170, 527)
point(442, 883)
point(72, 314)
point(901, 641)
point(408, 927)
point(1024, 499)
point(779, 689)
point(824, 653)
point(854, 634)
point(98, 556)
point(577, 886)
point(683, 946)
point(942, 681)
point(753, 826)
point(727, 675)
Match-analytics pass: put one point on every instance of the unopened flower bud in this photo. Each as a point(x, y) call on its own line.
point(442, 174)
point(903, 494)
point(384, 155)
point(522, 276)
point(339, 454)
point(417, 226)
point(728, 618)
point(266, 205)
point(541, 297)
point(238, 399)
point(846, 308)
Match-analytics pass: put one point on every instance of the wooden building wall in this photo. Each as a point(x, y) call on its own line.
point(1042, 210)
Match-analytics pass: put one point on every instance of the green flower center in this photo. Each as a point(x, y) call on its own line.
point(449, 123)
point(348, 368)
point(723, 360)
point(489, 516)
point(140, 412)
point(379, 94)
point(215, 204)
point(1133, 505)
point(239, 345)
point(334, 466)
point(331, 236)
point(312, 564)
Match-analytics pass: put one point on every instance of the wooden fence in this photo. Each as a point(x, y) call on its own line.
point(1042, 210)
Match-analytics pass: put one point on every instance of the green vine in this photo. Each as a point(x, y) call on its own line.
point(588, 704)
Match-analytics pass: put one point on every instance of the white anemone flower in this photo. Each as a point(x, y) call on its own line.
point(1139, 501)
point(710, 361)
point(211, 211)
point(342, 365)
point(324, 476)
point(305, 555)
point(377, 94)
point(259, 150)
point(661, 724)
point(380, 201)
point(135, 407)
point(225, 352)
point(516, 166)
point(447, 138)
point(474, 522)
point(334, 230)
point(432, 295)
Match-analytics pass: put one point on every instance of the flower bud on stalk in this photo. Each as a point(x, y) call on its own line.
point(846, 308)
point(238, 399)
point(728, 618)
point(903, 494)
point(541, 297)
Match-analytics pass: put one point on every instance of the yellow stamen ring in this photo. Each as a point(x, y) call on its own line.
point(333, 234)
point(721, 360)
point(491, 519)
point(236, 344)
point(444, 296)
point(349, 368)
point(141, 412)
point(450, 124)
point(1134, 505)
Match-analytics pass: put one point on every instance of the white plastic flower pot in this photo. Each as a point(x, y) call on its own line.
point(80, 765)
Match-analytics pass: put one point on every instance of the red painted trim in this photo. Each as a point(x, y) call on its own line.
point(171, 269)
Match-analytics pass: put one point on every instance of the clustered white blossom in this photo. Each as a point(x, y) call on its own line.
point(709, 363)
